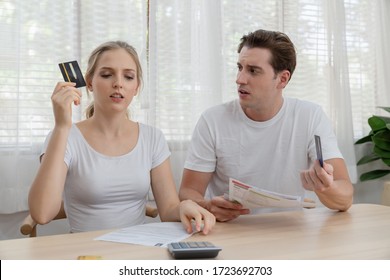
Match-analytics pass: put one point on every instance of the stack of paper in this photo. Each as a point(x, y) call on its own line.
point(252, 197)
point(151, 234)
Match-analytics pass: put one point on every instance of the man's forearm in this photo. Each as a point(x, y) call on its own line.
point(186, 193)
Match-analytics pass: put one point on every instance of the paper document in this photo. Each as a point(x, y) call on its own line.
point(151, 234)
point(252, 197)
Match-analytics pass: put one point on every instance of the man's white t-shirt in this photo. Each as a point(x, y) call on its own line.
point(104, 192)
point(268, 155)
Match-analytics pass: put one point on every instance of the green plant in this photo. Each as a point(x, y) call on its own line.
point(380, 138)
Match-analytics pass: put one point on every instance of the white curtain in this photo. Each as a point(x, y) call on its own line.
point(193, 59)
point(338, 81)
point(37, 35)
point(383, 53)
point(189, 52)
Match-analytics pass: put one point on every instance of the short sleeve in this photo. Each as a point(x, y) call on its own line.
point(201, 153)
point(323, 128)
point(159, 147)
point(67, 158)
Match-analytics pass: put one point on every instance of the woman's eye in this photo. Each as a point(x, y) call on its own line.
point(129, 77)
point(105, 75)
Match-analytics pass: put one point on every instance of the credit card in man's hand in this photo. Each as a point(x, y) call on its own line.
point(72, 73)
point(319, 149)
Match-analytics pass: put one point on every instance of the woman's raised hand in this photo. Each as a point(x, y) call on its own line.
point(63, 96)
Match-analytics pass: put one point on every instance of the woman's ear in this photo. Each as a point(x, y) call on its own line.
point(89, 86)
point(137, 90)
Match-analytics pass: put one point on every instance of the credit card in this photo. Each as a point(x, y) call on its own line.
point(317, 140)
point(71, 72)
point(89, 258)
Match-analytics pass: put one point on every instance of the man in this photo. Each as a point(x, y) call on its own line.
point(262, 138)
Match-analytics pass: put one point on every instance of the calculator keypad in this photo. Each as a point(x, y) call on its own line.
point(193, 249)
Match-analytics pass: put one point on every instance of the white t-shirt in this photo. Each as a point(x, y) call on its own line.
point(268, 155)
point(103, 192)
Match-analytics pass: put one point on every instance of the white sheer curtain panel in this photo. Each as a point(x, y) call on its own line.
point(383, 53)
point(193, 61)
point(185, 69)
point(40, 34)
point(338, 82)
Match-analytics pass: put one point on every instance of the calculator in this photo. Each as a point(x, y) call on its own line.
point(193, 250)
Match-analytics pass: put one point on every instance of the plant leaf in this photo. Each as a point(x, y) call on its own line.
point(385, 119)
point(386, 161)
point(381, 153)
point(367, 159)
point(385, 108)
point(382, 139)
point(376, 123)
point(375, 174)
point(364, 139)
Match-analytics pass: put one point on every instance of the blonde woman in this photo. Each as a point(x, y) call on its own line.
point(103, 167)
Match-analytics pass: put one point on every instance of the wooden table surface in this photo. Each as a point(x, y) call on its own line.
point(363, 232)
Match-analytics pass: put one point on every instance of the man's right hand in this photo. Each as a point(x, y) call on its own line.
point(225, 210)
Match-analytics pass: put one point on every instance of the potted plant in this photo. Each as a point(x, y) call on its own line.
point(379, 136)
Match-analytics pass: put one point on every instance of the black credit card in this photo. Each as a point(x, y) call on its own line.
point(317, 140)
point(72, 73)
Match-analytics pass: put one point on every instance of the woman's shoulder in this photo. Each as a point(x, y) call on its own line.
point(77, 131)
point(148, 128)
point(152, 137)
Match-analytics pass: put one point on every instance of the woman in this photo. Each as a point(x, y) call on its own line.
point(102, 167)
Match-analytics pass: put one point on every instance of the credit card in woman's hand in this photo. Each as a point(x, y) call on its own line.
point(72, 73)
point(319, 149)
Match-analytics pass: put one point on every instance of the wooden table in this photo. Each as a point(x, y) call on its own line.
point(363, 232)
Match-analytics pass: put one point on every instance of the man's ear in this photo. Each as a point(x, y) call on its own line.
point(284, 77)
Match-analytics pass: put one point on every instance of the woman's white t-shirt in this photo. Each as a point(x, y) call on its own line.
point(104, 192)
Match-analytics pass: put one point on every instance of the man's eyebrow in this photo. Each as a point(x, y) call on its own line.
point(251, 66)
point(255, 67)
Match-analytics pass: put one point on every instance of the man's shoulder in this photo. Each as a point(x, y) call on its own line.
point(302, 105)
point(221, 109)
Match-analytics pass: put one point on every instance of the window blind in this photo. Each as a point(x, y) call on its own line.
point(188, 49)
point(42, 34)
point(189, 52)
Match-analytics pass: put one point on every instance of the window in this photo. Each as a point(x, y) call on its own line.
point(42, 34)
point(192, 56)
point(189, 52)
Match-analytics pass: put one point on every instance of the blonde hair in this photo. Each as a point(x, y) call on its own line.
point(94, 57)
